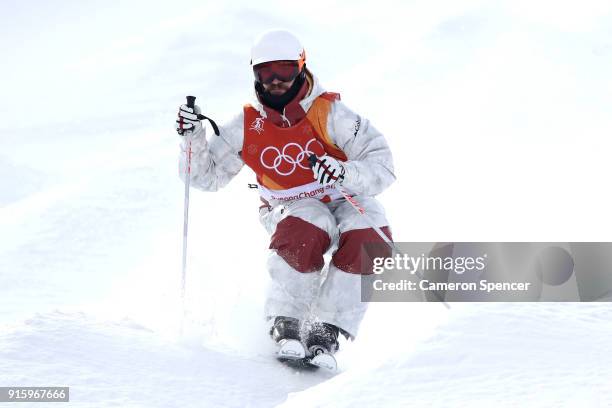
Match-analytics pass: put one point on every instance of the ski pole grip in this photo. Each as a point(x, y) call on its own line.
point(312, 159)
point(191, 101)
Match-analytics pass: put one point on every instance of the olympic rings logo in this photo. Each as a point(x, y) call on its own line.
point(293, 161)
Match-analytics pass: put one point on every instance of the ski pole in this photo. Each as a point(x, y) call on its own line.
point(190, 104)
point(385, 238)
point(313, 160)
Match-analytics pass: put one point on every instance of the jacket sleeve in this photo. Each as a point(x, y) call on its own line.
point(214, 163)
point(369, 169)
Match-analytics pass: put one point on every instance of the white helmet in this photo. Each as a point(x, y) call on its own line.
point(277, 45)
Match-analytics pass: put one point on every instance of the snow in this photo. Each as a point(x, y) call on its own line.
point(120, 363)
point(498, 115)
point(488, 355)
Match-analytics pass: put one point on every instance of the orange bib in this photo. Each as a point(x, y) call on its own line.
point(279, 156)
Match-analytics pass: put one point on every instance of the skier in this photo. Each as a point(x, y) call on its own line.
point(291, 119)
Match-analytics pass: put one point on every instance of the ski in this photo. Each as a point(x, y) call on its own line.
point(291, 349)
point(292, 353)
point(324, 360)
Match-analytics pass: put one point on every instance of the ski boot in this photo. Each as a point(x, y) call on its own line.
point(286, 333)
point(321, 344)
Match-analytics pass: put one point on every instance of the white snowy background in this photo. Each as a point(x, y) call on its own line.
point(499, 115)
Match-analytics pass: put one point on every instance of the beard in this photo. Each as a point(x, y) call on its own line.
point(278, 102)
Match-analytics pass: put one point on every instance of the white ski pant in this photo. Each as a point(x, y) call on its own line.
point(302, 231)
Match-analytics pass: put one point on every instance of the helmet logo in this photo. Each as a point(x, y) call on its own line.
point(257, 125)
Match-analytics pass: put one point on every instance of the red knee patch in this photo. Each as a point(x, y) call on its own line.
point(349, 258)
point(300, 243)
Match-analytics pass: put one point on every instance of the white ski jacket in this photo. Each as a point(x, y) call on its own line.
point(369, 169)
